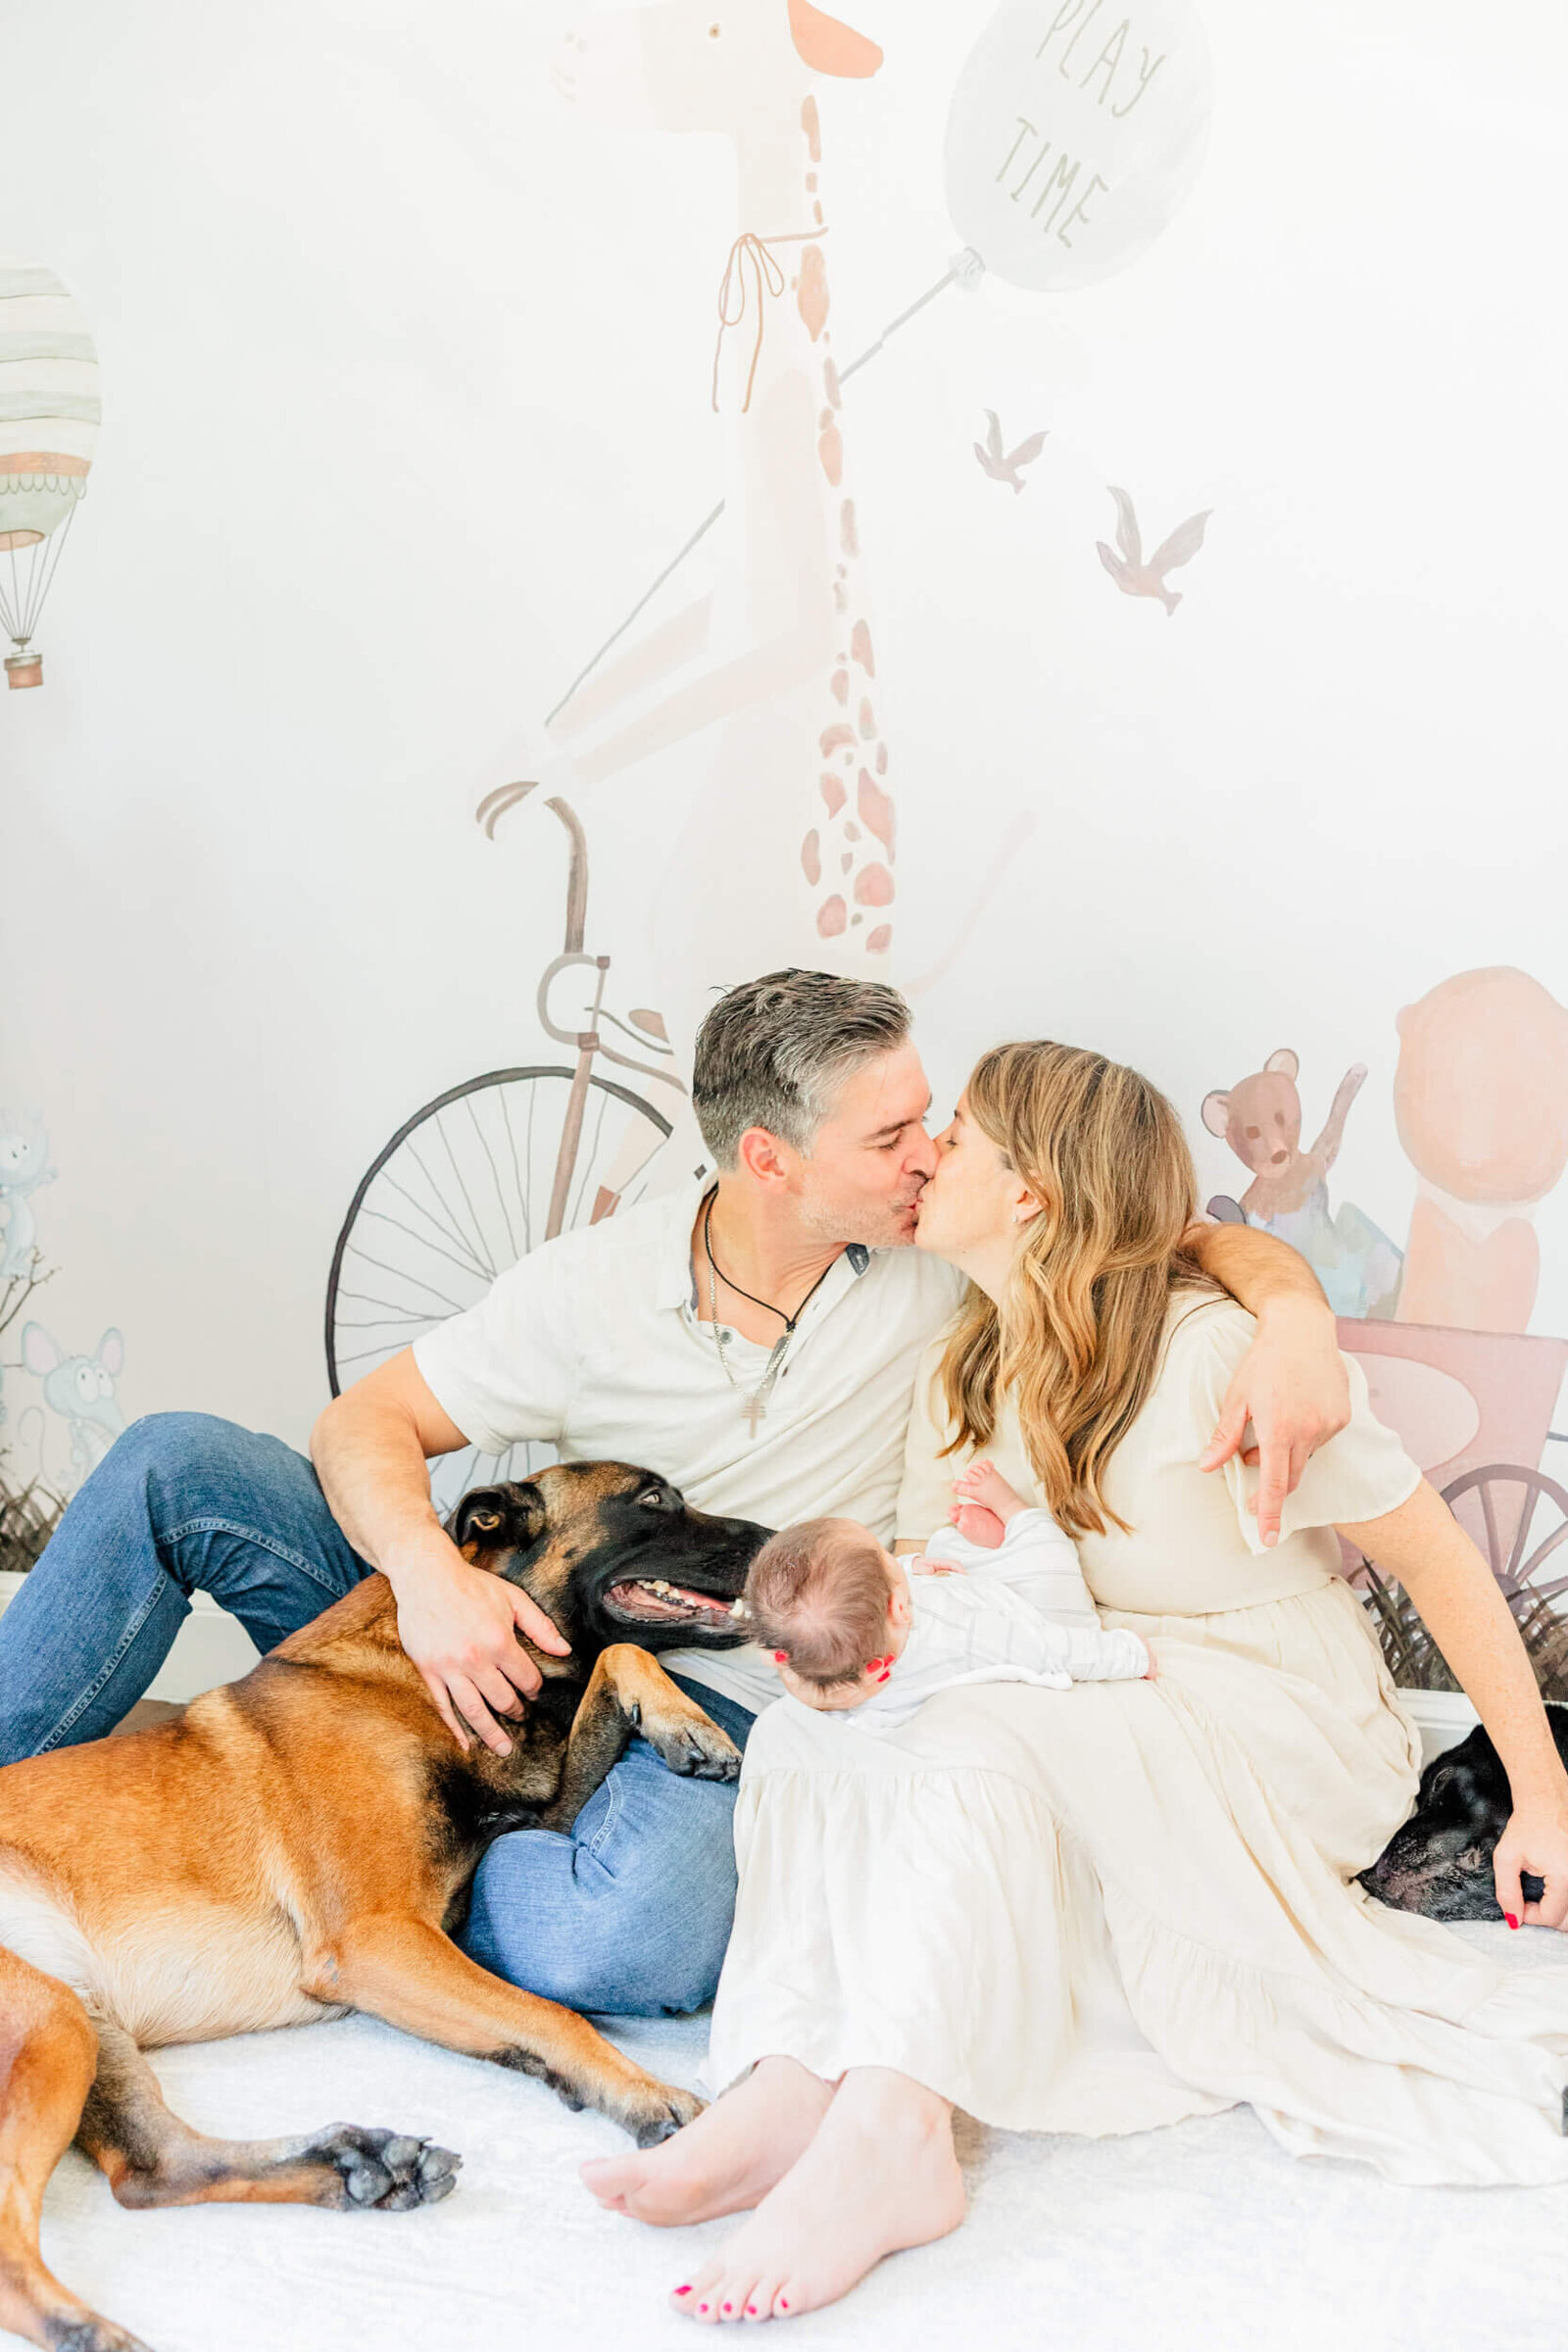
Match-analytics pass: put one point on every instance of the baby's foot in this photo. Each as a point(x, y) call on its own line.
point(983, 1482)
point(977, 1525)
point(877, 2182)
point(727, 2160)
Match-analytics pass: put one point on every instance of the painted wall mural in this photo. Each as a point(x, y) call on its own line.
point(1126, 563)
point(1261, 1118)
point(1076, 132)
point(49, 419)
point(1481, 1098)
point(70, 1410)
point(1073, 135)
point(24, 1167)
point(1004, 465)
point(1440, 1328)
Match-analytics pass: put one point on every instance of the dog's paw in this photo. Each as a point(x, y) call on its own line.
point(386, 2171)
point(695, 1748)
point(658, 2113)
point(93, 2335)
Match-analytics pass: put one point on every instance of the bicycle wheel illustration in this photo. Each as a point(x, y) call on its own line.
point(454, 1199)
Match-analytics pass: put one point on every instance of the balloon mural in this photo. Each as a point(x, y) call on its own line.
point(49, 414)
point(1074, 134)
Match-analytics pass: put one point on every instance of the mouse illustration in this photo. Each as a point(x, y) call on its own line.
point(1261, 1118)
point(81, 1388)
point(24, 1167)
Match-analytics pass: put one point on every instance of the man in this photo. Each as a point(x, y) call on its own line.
point(758, 1345)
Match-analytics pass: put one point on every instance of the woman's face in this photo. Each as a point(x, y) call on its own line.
point(974, 1200)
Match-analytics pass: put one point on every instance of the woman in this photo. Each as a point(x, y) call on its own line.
point(1110, 1908)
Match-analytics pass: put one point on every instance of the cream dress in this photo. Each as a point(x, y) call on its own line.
point(1112, 1907)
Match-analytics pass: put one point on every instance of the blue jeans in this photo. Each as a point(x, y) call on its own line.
point(630, 1912)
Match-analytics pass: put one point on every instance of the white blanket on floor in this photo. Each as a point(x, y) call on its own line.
point(1204, 2235)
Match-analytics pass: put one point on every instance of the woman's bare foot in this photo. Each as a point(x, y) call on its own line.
point(880, 2175)
point(727, 2160)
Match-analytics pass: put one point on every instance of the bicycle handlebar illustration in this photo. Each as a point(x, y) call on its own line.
point(492, 1167)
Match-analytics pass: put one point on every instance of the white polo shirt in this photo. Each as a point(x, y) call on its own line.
point(592, 1344)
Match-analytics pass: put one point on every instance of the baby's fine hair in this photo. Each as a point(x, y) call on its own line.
point(819, 1592)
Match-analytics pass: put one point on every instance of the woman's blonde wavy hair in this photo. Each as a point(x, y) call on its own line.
point(1078, 1334)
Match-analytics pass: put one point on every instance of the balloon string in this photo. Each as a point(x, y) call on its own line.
point(750, 253)
point(966, 271)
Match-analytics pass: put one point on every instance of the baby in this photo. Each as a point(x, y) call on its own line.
point(1002, 1599)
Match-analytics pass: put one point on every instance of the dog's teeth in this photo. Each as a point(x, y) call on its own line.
point(738, 1608)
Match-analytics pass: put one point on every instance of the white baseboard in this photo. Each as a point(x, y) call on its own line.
point(1442, 1716)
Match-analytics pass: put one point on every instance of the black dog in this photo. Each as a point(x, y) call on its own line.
point(1440, 1863)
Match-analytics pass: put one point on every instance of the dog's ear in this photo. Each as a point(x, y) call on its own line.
point(498, 1518)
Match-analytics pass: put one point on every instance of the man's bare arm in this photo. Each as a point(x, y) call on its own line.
point(1291, 1384)
point(458, 1624)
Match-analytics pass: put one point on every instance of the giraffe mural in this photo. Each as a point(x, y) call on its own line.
point(788, 854)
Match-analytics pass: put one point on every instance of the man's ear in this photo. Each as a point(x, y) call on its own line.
point(761, 1155)
point(1216, 1113)
point(829, 47)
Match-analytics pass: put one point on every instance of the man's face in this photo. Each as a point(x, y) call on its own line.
point(873, 1157)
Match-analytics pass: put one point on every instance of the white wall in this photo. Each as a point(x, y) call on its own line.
point(405, 377)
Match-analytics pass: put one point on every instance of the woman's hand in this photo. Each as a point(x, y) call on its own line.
point(1536, 1840)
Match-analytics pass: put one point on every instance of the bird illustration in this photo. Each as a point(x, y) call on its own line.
point(1131, 575)
point(1002, 467)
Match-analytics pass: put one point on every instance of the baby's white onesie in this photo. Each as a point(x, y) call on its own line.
point(1018, 1614)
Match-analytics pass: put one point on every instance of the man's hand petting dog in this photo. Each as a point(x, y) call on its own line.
point(1291, 1386)
point(465, 1632)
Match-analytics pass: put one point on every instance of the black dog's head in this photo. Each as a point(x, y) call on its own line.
point(611, 1553)
point(1440, 1863)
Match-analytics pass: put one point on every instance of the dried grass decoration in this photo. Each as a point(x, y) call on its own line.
point(29, 1517)
point(1507, 1507)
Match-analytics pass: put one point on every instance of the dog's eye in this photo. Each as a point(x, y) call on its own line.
point(655, 1499)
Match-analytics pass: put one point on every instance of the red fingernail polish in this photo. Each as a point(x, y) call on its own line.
point(781, 1657)
point(1510, 1917)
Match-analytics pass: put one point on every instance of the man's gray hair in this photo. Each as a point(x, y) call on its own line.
point(775, 1053)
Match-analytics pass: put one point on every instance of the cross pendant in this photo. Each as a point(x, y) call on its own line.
point(756, 1410)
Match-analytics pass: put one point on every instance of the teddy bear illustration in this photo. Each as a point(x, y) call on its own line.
point(1261, 1118)
point(1481, 1103)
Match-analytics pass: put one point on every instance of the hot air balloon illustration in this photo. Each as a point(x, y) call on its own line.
point(48, 430)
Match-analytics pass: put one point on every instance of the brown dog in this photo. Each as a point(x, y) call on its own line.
point(300, 1843)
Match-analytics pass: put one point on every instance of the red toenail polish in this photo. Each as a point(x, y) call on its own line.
point(684, 2291)
point(783, 2303)
point(751, 2311)
point(701, 2306)
point(729, 2306)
